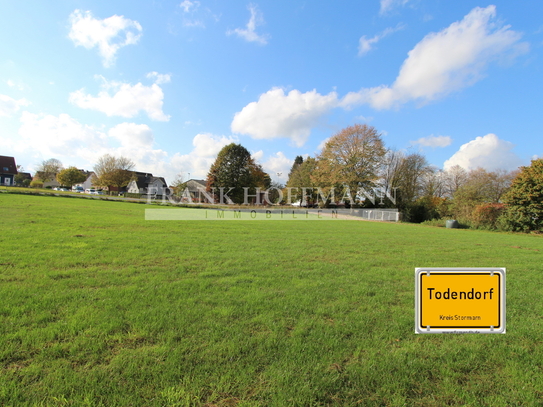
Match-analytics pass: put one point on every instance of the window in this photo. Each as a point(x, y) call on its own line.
point(6, 169)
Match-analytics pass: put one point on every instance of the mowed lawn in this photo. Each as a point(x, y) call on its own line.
point(99, 307)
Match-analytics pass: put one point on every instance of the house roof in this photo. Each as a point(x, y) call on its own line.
point(143, 179)
point(7, 165)
point(191, 182)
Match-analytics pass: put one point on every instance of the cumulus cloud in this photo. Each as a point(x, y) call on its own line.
point(62, 135)
point(74, 143)
point(249, 32)
point(10, 106)
point(447, 61)
point(278, 166)
point(108, 35)
point(365, 44)
point(488, 152)
point(277, 115)
point(132, 134)
point(200, 159)
point(127, 100)
point(434, 141)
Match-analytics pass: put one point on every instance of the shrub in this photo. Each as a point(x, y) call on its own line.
point(524, 200)
point(36, 184)
point(486, 215)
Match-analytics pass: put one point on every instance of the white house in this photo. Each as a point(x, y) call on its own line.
point(147, 184)
point(87, 184)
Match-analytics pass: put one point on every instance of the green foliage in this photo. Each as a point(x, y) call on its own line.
point(524, 200)
point(21, 179)
point(423, 209)
point(70, 176)
point(36, 183)
point(235, 168)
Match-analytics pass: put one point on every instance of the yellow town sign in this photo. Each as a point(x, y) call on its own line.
point(460, 300)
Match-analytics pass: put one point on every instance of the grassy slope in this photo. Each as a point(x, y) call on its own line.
point(99, 307)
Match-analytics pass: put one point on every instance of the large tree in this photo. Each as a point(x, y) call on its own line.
point(524, 199)
point(233, 170)
point(71, 176)
point(351, 157)
point(113, 171)
point(48, 169)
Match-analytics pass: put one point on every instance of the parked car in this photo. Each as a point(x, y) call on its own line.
point(91, 191)
point(78, 189)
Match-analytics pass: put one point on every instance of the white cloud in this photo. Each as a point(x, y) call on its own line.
point(445, 62)
point(434, 141)
point(190, 13)
point(488, 152)
point(249, 33)
point(132, 134)
point(109, 34)
point(365, 44)
point(188, 5)
point(278, 166)
point(73, 143)
point(127, 101)
point(159, 78)
point(388, 5)
point(60, 136)
point(200, 159)
point(10, 106)
point(277, 115)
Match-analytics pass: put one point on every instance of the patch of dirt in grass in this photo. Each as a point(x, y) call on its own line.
point(525, 248)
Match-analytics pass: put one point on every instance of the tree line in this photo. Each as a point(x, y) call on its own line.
point(109, 171)
point(355, 159)
point(351, 163)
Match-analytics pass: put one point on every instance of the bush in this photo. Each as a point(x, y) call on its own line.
point(524, 200)
point(486, 215)
point(423, 209)
point(36, 184)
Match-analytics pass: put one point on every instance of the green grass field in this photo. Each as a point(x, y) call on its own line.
point(99, 307)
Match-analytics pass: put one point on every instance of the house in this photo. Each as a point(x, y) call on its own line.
point(87, 184)
point(195, 188)
point(146, 184)
point(8, 170)
point(51, 183)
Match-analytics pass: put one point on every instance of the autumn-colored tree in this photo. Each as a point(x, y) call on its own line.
point(113, 171)
point(350, 158)
point(70, 176)
point(524, 200)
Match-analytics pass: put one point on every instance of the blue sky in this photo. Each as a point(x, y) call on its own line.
point(169, 83)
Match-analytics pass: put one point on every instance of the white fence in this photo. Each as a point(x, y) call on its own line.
point(388, 215)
